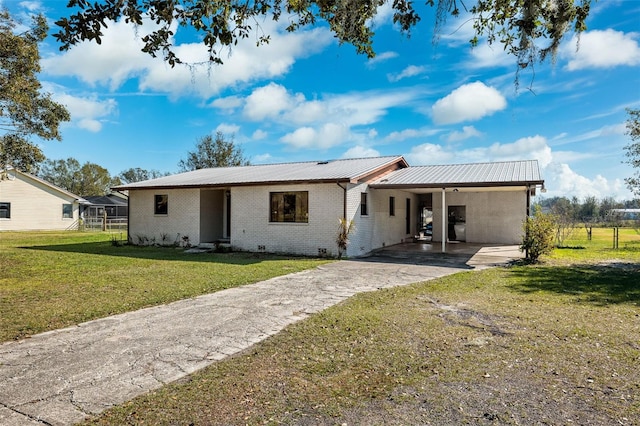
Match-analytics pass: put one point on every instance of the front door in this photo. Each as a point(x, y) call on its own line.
point(408, 217)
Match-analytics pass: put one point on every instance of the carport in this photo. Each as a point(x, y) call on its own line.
point(487, 201)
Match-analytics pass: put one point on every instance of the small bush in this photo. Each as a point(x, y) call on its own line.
point(539, 235)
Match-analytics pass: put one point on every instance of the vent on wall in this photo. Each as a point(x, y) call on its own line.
point(262, 248)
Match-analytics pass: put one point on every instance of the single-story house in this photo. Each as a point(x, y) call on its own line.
point(296, 207)
point(30, 203)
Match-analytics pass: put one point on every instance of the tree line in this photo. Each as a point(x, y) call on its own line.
point(587, 211)
point(90, 179)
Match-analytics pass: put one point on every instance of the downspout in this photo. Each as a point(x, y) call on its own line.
point(128, 216)
point(344, 200)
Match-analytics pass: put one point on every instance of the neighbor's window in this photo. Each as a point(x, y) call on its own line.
point(67, 211)
point(161, 205)
point(5, 210)
point(363, 204)
point(289, 206)
point(392, 206)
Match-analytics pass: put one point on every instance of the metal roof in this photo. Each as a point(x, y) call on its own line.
point(509, 173)
point(310, 171)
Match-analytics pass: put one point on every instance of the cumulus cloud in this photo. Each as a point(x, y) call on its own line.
point(410, 71)
point(468, 102)
point(87, 112)
point(119, 59)
point(267, 102)
point(327, 136)
point(360, 151)
point(561, 180)
point(533, 148)
point(602, 49)
point(259, 135)
point(227, 128)
point(466, 133)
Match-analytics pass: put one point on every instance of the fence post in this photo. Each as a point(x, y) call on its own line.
point(104, 220)
point(616, 234)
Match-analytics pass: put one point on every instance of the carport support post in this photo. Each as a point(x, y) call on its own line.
point(444, 218)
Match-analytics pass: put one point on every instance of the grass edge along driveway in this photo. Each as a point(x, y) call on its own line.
point(51, 280)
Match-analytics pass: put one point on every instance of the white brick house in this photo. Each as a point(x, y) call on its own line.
point(30, 203)
point(295, 207)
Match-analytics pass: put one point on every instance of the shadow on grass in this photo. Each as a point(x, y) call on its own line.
point(603, 284)
point(157, 253)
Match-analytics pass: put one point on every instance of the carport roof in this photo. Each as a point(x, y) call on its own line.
point(508, 173)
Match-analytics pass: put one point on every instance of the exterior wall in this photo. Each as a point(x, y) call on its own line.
point(251, 229)
point(378, 228)
point(182, 219)
point(491, 217)
point(34, 205)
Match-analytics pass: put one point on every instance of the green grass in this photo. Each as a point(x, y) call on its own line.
point(556, 343)
point(579, 248)
point(50, 280)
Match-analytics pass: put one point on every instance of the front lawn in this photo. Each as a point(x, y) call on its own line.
point(557, 343)
point(50, 280)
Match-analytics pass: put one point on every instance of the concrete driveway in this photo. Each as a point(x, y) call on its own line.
point(63, 376)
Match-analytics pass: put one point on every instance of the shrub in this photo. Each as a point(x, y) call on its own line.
point(539, 235)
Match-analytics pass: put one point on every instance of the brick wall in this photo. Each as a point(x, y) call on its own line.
point(182, 218)
point(251, 229)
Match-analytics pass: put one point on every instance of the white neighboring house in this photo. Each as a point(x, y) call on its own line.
point(30, 203)
point(295, 207)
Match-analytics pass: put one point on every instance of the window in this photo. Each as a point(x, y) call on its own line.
point(392, 206)
point(5, 210)
point(363, 204)
point(161, 205)
point(289, 206)
point(67, 211)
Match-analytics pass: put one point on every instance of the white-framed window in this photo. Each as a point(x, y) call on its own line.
point(5, 210)
point(290, 206)
point(67, 211)
point(161, 204)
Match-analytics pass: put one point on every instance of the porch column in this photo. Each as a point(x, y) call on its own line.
point(444, 219)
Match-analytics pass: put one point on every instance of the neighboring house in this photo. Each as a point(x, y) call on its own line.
point(295, 207)
point(114, 205)
point(30, 203)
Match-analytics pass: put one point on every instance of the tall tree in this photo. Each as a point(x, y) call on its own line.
point(88, 179)
point(633, 149)
point(530, 29)
point(137, 175)
point(211, 152)
point(24, 110)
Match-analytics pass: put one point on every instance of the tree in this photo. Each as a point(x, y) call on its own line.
point(212, 152)
point(633, 149)
point(138, 175)
point(24, 110)
point(87, 180)
point(520, 26)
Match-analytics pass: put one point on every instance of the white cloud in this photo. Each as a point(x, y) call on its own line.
point(259, 135)
point(86, 112)
point(602, 49)
point(562, 181)
point(410, 71)
point(429, 153)
point(410, 134)
point(228, 129)
point(119, 59)
point(267, 102)
point(360, 151)
point(468, 102)
point(228, 103)
point(327, 136)
point(490, 56)
point(466, 133)
point(381, 57)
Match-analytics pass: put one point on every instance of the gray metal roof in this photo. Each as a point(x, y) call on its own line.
point(310, 171)
point(509, 173)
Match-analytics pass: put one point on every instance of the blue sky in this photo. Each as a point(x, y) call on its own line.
point(304, 97)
